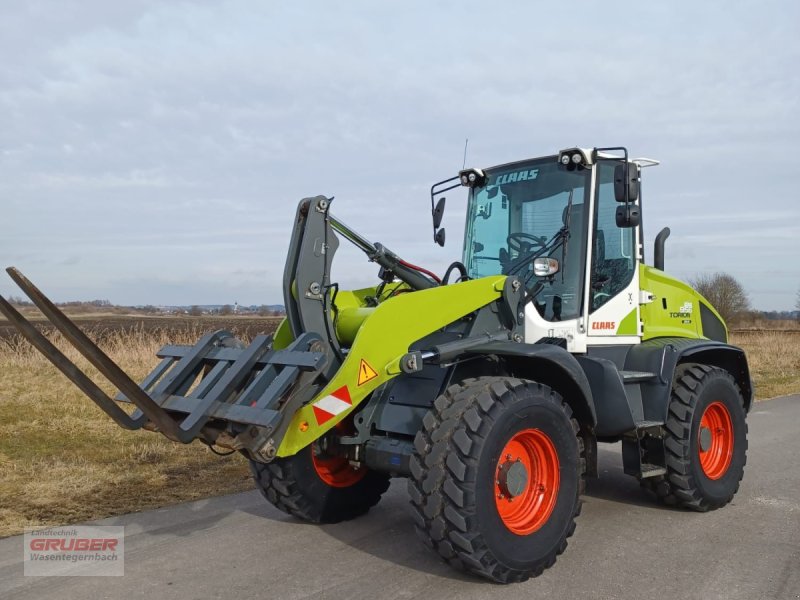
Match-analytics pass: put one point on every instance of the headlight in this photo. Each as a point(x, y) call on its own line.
point(472, 177)
point(573, 158)
point(545, 266)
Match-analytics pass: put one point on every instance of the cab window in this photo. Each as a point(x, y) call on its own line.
point(613, 258)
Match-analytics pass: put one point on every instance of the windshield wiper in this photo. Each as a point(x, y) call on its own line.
point(566, 234)
point(562, 235)
point(559, 239)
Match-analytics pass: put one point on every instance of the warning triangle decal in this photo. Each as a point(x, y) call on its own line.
point(365, 373)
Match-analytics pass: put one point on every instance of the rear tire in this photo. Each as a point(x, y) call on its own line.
point(473, 437)
point(706, 444)
point(318, 489)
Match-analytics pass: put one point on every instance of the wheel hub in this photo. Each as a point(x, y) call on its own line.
point(526, 481)
point(705, 439)
point(512, 478)
point(715, 440)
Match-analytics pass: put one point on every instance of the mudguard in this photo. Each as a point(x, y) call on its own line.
point(662, 356)
point(551, 365)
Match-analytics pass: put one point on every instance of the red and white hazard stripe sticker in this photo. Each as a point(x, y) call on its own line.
point(328, 407)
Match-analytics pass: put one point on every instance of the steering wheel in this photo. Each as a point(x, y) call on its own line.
point(524, 242)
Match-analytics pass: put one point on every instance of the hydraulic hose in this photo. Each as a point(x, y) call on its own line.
point(416, 277)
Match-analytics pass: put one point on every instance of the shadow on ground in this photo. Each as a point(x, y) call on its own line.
point(391, 518)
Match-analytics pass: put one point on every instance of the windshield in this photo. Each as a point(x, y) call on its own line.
point(520, 209)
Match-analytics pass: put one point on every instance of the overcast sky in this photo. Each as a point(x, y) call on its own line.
point(154, 152)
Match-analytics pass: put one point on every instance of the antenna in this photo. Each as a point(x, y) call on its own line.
point(466, 143)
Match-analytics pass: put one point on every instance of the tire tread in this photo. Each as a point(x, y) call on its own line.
point(443, 473)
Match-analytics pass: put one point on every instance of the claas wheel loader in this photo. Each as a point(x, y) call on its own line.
point(488, 388)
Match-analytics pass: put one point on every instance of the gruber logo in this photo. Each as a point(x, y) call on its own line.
point(604, 325)
point(73, 544)
point(77, 550)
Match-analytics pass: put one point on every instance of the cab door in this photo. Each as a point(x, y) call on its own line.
point(613, 279)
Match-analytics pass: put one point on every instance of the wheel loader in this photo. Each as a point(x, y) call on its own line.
point(488, 388)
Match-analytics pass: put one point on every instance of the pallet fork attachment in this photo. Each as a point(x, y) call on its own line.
point(219, 390)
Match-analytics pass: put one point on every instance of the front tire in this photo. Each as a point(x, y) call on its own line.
point(706, 444)
point(318, 488)
point(496, 477)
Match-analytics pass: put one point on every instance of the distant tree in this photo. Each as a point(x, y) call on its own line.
point(226, 310)
point(797, 304)
point(195, 311)
point(19, 301)
point(724, 292)
point(264, 311)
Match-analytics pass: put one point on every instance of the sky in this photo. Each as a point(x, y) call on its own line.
point(155, 152)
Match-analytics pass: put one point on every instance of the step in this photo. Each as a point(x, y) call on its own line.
point(636, 376)
point(648, 424)
point(649, 470)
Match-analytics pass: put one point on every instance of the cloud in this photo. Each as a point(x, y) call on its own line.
point(159, 140)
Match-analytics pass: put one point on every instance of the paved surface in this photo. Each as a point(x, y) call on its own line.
point(625, 545)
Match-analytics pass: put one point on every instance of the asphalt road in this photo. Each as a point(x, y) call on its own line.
point(625, 546)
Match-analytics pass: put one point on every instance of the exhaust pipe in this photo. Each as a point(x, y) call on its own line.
point(658, 251)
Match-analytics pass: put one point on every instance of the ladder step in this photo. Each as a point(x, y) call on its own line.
point(649, 470)
point(648, 424)
point(636, 376)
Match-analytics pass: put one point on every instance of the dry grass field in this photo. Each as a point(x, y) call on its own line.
point(63, 461)
point(774, 359)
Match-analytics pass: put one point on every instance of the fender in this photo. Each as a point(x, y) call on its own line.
point(662, 356)
point(551, 365)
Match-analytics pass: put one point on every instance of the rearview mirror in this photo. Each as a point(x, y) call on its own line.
point(628, 215)
point(438, 213)
point(439, 237)
point(632, 183)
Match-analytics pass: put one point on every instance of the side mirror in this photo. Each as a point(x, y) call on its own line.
point(628, 215)
point(632, 182)
point(439, 237)
point(545, 266)
point(438, 213)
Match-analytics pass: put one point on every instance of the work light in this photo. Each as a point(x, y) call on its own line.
point(472, 177)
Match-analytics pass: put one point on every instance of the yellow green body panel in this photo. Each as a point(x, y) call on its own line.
point(282, 336)
point(628, 325)
point(348, 322)
point(675, 309)
point(351, 310)
point(383, 339)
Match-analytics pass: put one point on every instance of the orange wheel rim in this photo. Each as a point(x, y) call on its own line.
point(715, 440)
point(526, 481)
point(336, 471)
